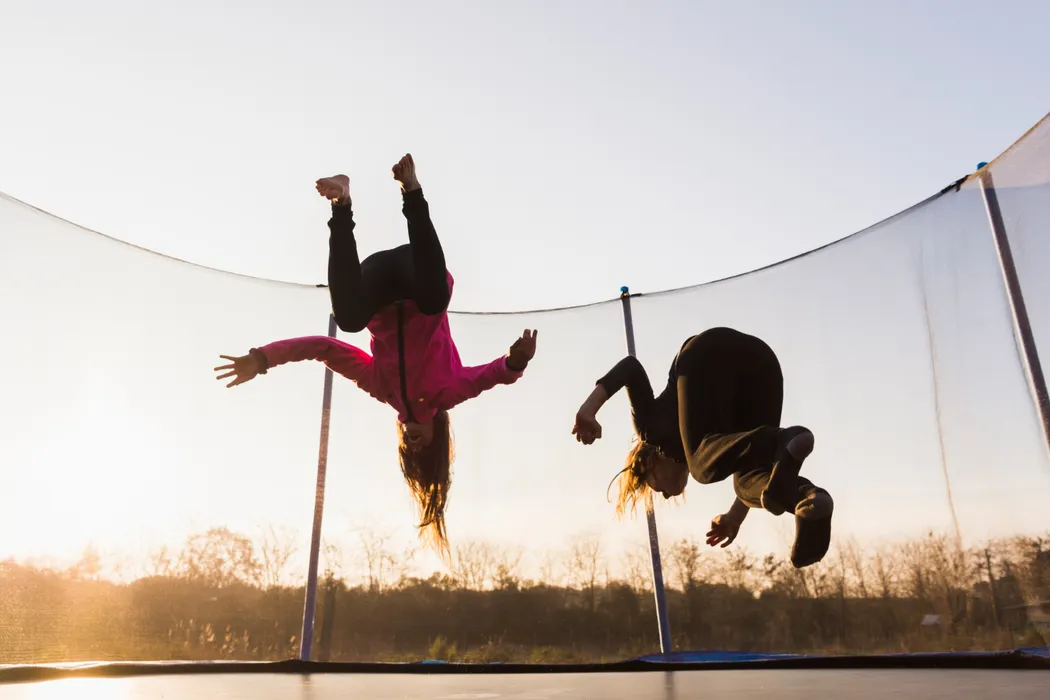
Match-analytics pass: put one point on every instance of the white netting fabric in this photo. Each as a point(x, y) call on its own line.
point(898, 350)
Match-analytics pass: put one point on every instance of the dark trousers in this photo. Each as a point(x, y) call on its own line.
point(414, 271)
point(730, 399)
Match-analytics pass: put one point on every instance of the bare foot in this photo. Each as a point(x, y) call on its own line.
point(335, 188)
point(405, 173)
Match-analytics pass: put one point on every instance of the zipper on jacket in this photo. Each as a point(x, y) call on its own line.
point(401, 361)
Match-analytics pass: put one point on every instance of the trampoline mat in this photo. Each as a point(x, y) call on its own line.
point(709, 685)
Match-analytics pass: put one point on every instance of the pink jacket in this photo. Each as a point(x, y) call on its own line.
point(435, 375)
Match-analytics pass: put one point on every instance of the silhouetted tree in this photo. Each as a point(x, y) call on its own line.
point(219, 558)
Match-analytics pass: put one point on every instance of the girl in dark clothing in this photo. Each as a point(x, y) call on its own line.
point(718, 415)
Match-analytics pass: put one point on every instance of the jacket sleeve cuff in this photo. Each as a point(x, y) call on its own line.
point(259, 353)
point(510, 371)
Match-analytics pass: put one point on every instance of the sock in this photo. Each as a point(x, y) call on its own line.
point(800, 446)
point(815, 505)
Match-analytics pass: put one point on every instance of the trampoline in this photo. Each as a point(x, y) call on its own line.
point(1014, 676)
point(186, 541)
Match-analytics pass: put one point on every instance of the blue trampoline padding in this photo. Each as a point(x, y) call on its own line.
point(691, 657)
point(694, 657)
point(1037, 651)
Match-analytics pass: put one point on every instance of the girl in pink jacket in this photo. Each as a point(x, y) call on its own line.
point(401, 296)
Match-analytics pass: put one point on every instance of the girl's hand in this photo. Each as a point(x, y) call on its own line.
point(587, 429)
point(243, 369)
point(723, 527)
point(523, 350)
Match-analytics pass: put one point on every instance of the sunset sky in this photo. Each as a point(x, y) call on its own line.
point(567, 149)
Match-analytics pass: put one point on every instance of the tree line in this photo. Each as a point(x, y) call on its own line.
point(227, 596)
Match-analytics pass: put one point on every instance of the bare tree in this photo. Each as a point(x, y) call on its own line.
point(277, 546)
point(914, 566)
point(885, 567)
point(838, 573)
point(852, 555)
point(820, 580)
point(940, 573)
point(775, 576)
point(953, 567)
point(548, 568)
point(118, 566)
point(686, 563)
point(508, 561)
point(403, 567)
point(585, 565)
point(1027, 561)
point(636, 563)
point(738, 569)
point(379, 560)
point(89, 566)
point(219, 557)
point(474, 564)
point(159, 562)
point(332, 558)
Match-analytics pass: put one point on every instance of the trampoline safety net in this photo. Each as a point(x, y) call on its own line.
point(148, 513)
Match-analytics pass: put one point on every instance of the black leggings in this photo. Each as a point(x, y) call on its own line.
point(730, 398)
point(415, 271)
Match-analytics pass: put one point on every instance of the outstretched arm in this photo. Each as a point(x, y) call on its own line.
point(629, 373)
point(345, 359)
point(352, 362)
point(475, 380)
point(504, 370)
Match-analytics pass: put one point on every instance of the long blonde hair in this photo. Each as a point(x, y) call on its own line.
point(428, 473)
point(633, 486)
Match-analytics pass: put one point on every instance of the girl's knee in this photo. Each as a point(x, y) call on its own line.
point(433, 305)
point(351, 322)
point(689, 355)
point(704, 478)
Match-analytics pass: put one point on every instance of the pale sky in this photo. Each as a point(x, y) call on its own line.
point(567, 149)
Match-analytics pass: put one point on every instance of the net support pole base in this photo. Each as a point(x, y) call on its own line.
point(306, 639)
point(663, 625)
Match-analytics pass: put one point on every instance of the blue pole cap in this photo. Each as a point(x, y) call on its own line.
point(981, 164)
point(624, 290)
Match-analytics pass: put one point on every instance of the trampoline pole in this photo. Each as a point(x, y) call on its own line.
point(1013, 291)
point(306, 640)
point(663, 625)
